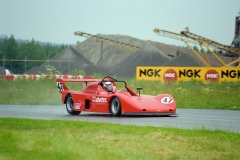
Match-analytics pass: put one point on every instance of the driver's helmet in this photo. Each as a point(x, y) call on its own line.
point(108, 86)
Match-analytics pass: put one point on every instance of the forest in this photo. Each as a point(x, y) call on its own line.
point(20, 56)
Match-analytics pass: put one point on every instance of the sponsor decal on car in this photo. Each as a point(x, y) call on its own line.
point(99, 99)
point(60, 86)
point(167, 100)
point(77, 105)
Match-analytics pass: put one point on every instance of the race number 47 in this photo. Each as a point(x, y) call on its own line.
point(167, 100)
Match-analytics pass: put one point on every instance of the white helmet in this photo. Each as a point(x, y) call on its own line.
point(108, 86)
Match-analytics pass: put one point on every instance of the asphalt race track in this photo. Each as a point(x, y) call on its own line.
point(226, 120)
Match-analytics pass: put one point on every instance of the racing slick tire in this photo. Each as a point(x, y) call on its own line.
point(115, 107)
point(69, 106)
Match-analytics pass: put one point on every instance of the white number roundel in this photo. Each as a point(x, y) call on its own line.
point(167, 100)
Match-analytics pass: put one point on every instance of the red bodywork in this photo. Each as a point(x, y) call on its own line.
point(94, 98)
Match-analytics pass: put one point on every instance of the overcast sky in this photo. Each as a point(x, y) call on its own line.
point(55, 21)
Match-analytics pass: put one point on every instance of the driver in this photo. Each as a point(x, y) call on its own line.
point(108, 86)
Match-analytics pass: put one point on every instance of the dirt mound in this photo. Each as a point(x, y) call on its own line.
point(183, 60)
point(105, 54)
point(215, 63)
point(69, 53)
point(148, 55)
point(107, 59)
point(91, 69)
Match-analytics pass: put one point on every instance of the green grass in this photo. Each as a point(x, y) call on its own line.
point(44, 139)
point(29, 92)
point(187, 94)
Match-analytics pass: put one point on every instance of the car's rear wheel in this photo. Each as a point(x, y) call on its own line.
point(116, 107)
point(69, 106)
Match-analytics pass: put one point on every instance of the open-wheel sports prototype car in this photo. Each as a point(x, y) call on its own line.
point(104, 96)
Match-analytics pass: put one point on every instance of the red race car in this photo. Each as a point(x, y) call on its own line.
point(104, 95)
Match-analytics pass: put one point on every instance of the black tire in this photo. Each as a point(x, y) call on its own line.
point(69, 106)
point(115, 107)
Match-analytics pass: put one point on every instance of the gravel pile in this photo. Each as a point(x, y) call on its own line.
point(115, 61)
point(148, 55)
point(183, 60)
point(111, 54)
point(91, 69)
point(79, 62)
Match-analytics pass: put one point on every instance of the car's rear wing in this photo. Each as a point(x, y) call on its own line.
point(62, 86)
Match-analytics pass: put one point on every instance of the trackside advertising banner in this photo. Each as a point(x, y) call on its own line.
point(176, 74)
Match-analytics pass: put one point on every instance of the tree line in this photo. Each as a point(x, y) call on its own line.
point(17, 56)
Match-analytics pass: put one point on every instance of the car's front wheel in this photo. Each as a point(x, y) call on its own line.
point(116, 107)
point(69, 106)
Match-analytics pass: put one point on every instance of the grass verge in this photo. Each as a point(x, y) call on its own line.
point(52, 139)
point(187, 94)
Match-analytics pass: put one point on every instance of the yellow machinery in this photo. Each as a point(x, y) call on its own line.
point(109, 41)
point(106, 40)
point(189, 37)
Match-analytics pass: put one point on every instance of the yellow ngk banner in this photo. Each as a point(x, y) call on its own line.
point(176, 74)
